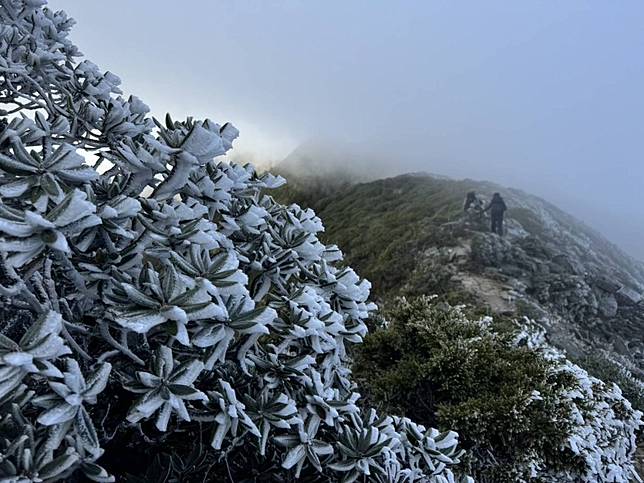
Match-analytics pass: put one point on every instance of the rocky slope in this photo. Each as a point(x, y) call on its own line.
point(409, 236)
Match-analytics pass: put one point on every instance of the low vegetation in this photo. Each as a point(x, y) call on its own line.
point(382, 225)
point(523, 411)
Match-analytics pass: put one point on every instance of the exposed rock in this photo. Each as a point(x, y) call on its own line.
point(490, 250)
point(607, 305)
point(628, 296)
point(550, 279)
point(606, 284)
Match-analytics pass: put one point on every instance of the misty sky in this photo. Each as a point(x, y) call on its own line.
point(539, 95)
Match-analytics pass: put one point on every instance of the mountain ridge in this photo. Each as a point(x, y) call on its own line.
point(408, 235)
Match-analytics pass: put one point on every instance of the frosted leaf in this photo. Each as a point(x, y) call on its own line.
point(19, 259)
point(137, 106)
point(146, 408)
point(188, 373)
point(14, 228)
point(181, 334)
point(65, 157)
point(202, 143)
point(14, 189)
point(58, 414)
point(127, 207)
point(141, 322)
point(184, 165)
point(59, 243)
point(14, 166)
point(108, 212)
point(273, 182)
point(32, 244)
point(17, 359)
point(97, 381)
point(10, 379)
point(228, 133)
point(210, 311)
point(74, 208)
point(37, 221)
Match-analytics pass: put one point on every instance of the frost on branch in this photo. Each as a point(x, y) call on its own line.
point(169, 305)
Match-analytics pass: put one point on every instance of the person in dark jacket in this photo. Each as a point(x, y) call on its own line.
point(497, 209)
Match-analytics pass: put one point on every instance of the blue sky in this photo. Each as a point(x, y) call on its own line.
point(540, 95)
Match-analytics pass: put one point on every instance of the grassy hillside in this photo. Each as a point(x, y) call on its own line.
point(381, 225)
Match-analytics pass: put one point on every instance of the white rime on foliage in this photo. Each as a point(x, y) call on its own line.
point(603, 424)
point(173, 280)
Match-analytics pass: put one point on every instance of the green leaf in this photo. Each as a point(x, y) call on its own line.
point(58, 466)
point(13, 166)
point(181, 390)
point(139, 298)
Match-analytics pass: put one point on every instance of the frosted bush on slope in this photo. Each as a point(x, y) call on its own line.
point(204, 301)
point(522, 410)
point(604, 424)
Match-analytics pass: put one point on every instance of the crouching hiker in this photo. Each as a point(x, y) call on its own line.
point(473, 204)
point(497, 209)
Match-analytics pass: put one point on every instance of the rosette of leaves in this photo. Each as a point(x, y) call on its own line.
point(271, 411)
point(161, 297)
point(217, 270)
point(304, 447)
point(43, 177)
point(29, 453)
point(196, 143)
point(64, 407)
point(227, 413)
point(432, 449)
point(165, 389)
point(32, 132)
point(280, 369)
point(116, 211)
point(33, 353)
point(240, 318)
point(179, 225)
point(29, 460)
point(26, 234)
point(360, 450)
point(203, 139)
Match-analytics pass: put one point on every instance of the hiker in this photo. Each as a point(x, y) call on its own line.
point(497, 209)
point(470, 199)
point(474, 204)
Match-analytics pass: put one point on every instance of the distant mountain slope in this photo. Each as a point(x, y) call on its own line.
point(408, 235)
point(317, 159)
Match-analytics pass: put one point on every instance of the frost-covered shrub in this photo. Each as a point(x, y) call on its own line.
point(522, 410)
point(167, 314)
point(605, 366)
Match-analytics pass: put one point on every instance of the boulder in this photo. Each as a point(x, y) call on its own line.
point(606, 284)
point(607, 305)
point(490, 250)
point(627, 296)
point(566, 264)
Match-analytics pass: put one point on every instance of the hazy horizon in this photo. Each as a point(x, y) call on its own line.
point(539, 96)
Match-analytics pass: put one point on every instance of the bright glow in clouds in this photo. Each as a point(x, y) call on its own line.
point(543, 96)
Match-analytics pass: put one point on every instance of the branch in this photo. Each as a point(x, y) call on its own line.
point(105, 332)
